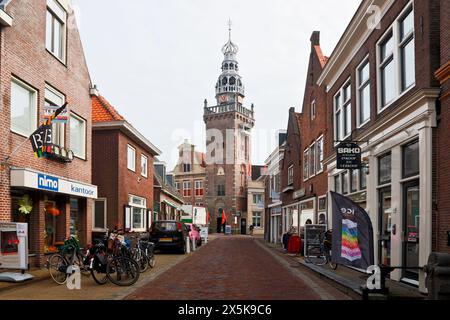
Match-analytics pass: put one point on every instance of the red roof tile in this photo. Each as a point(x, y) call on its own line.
point(103, 111)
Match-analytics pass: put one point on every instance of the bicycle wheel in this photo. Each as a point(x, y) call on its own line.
point(98, 272)
point(151, 261)
point(57, 267)
point(84, 269)
point(142, 260)
point(122, 271)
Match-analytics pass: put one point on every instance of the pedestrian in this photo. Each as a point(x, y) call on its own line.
point(251, 229)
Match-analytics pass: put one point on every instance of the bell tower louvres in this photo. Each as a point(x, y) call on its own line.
point(228, 128)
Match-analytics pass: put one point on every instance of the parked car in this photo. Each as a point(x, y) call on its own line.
point(194, 234)
point(169, 234)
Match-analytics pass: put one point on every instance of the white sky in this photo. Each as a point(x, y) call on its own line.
point(157, 60)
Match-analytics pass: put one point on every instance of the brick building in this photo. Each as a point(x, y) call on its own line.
point(381, 92)
point(228, 130)
point(190, 175)
point(42, 64)
point(168, 201)
point(123, 170)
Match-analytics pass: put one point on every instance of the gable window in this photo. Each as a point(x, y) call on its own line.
point(187, 191)
point(78, 136)
point(144, 166)
point(291, 175)
point(396, 59)
point(56, 29)
point(23, 108)
point(313, 109)
point(199, 188)
point(363, 93)
point(319, 155)
point(55, 99)
point(186, 167)
point(131, 158)
point(343, 112)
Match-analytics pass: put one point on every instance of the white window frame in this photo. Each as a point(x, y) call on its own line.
point(130, 166)
point(395, 30)
point(312, 160)
point(359, 87)
point(260, 217)
point(78, 118)
point(306, 165)
point(319, 156)
point(143, 208)
point(291, 175)
point(187, 187)
point(313, 109)
point(58, 13)
point(34, 105)
point(144, 173)
point(57, 128)
point(196, 183)
point(105, 201)
point(340, 136)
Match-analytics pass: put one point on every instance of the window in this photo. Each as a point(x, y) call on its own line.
point(56, 29)
point(313, 109)
point(199, 188)
point(337, 184)
point(396, 59)
point(384, 169)
point(78, 136)
point(74, 216)
point(291, 175)
point(411, 160)
point(144, 166)
point(138, 209)
point(312, 160)
point(221, 190)
point(257, 199)
point(100, 211)
point(345, 182)
point(187, 192)
point(178, 187)
point(363, 178)
point(319, 155)
point(306, 165)
point(186, 167)
point(363, 93)
point(257, 219)
point(55, 99)
point(354, 181)
point(131, 158)
point(343, 112)
point(23, 108)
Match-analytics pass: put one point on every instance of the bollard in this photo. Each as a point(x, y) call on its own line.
point(188, 245)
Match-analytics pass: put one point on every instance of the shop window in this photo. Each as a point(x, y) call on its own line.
point(22, 206)
point(354, 181)
point(345, 182)
point(411, 159)
point(337, 184)
point(55, 99)
point(257, 219)
point(384, 169)
point(363, 178)
point(131, 158)
point(78, 136)
point(54, 227)
point(100, 210)
point(74, 217)
point(56, 29)
point(23, 108)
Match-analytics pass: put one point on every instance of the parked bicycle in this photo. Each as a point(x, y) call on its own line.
point(318, 250)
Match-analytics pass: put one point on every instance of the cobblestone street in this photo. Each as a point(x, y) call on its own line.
point(235, 268)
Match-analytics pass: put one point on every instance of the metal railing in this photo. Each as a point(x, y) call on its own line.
point(232, 107)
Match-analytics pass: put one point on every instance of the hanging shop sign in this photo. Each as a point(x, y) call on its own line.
point(24, 178)
point(13, 246)
point(49, 111)
point(348, 156)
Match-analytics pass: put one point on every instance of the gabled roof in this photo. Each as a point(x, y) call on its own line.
point(166, 188)
point(103, 111)
point(323, 59)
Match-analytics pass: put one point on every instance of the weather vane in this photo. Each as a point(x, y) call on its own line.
point(230, 24)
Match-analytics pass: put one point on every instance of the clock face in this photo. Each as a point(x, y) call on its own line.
point(223, 98)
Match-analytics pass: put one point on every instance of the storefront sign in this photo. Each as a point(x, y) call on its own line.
point(13, 246)
point(348, 156)
point(23, 178)
point(299, 194)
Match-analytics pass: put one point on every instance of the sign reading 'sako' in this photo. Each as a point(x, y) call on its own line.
point(348, 156)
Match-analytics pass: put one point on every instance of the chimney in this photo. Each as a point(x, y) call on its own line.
point(315, 38)
point(94, 91)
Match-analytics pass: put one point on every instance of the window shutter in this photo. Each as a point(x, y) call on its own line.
point(127, 220)
point(148, 219)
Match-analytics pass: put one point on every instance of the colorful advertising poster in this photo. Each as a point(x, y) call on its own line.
point(13, 246)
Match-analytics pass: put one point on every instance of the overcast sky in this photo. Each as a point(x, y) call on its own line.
point(157, 60)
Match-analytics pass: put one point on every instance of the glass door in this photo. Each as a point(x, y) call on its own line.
point(411, 218)
point(385, 227)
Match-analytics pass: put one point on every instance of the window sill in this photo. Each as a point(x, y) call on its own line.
point(359, 126)
point(381, 109)
point(24, 135)
point(58, 59)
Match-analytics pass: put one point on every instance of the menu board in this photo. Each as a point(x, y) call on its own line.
point(314, 235)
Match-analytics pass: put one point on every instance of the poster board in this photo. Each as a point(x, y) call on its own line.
point(199, 216)
point(314, 235)
point(227, 229)
point(13, 245)
point(204, 233)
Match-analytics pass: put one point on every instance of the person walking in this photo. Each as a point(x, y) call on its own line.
point(251, 229)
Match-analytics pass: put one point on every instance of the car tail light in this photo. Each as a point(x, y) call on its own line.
point(179, 226)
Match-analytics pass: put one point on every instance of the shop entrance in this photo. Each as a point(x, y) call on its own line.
point(411, 220)
point(243, 226)
point(385, 226)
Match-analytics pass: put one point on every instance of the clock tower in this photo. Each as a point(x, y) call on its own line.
point(228, 135)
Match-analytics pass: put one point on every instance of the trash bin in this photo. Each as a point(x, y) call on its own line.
point(438, 276)
point(294, 244)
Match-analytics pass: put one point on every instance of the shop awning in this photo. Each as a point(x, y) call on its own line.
point(171, 204)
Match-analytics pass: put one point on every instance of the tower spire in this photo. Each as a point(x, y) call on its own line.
point(230, 24)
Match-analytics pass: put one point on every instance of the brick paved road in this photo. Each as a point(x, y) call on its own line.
point(235, 268)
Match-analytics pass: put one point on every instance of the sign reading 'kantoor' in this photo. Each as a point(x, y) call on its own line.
point(348, 156)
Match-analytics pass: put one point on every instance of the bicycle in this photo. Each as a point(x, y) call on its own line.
point(320, 249)
point(148, 249)
point(138, 254)
point(59, 264)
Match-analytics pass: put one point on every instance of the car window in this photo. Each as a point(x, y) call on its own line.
point(166, 226)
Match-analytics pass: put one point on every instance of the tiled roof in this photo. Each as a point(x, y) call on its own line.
point(167, 188)
point(103, 111)
point(323, 60)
